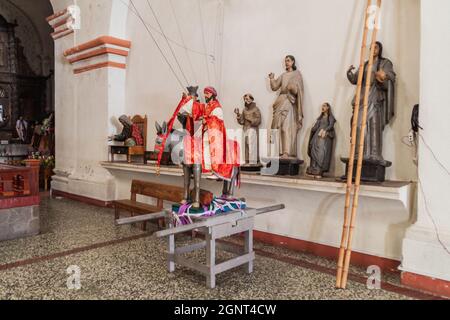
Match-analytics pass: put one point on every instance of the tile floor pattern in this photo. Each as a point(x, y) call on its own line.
point(136, 269)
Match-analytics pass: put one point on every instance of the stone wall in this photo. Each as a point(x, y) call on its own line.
point(19, 222)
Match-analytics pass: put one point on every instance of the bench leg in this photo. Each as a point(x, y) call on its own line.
point(112, 157)
point(211, 260)
point(129, 158)
point(116, 213)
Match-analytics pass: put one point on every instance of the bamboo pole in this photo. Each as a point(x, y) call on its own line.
point(348, 251)
point(352, 149)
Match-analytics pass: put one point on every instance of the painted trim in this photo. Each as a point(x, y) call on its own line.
point(71, 196)
point(56, 15)
point(98, 42)
point(359, 259)
point(60, 23)
point(100, 66)
point(63, 34)
point(426, 284)
point(99, 52)
point(53, 34)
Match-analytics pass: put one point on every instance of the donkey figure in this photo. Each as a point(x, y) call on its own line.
point(175, 145)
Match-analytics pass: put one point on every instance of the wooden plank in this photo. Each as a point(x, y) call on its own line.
point(142, 218)
point(189, 264)
point(234, 263)
point(135, 206)
point(190, 248)
point(229, 229)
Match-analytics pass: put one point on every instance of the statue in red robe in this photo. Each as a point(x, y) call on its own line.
point(207, 144)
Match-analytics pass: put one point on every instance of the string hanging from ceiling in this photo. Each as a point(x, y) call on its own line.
point(167, 41)
point(159, 48)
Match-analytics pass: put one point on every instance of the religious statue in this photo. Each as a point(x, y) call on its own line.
point(204, 144)
point(381, 103)
point(250, 119)
point(288, 108)
point(320, 147)
point(44, 136)
point(131, 134)
point(22, 128)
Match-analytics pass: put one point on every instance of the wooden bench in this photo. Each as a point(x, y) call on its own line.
point(160, 192)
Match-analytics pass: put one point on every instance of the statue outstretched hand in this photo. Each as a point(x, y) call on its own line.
point(350, 70)
point(271, 76)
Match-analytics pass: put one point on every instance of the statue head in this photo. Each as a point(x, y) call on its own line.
point(326, 108)
point(210, 94)
point(161, 132)
point(378, 52)
point(289, 62)
point(248, 99)
point(192, 91)
point(125, 121)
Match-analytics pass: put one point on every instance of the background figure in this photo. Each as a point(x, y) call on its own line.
point(46, 136)
point(22, 128)
point(288, 108)
point(381, 103)
point(250, 119)
point(320, 148)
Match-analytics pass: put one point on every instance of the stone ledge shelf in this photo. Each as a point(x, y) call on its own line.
point(389, 190)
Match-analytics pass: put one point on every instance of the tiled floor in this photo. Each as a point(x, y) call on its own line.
point(125, 263)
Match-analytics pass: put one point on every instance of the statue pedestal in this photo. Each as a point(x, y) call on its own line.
point(251, 167)
point(285, 167)
point(372, 170)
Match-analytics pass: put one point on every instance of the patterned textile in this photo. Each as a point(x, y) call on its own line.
point(137, 135)
point(183, 214)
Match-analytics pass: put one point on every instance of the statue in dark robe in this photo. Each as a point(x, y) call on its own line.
point(381, 103)
point(320, 147)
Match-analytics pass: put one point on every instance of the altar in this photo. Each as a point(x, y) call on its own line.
point(19, 201)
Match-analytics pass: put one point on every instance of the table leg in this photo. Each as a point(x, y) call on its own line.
point(249, 248)
point(211, 259)
point(171, 240)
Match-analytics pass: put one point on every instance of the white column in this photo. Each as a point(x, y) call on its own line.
point(426, 247)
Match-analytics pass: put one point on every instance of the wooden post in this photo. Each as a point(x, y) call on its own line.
point(352, 149)
point(348, 251)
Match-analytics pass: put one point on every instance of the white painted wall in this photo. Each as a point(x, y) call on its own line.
point(324, 36)
point(427, 244)
point(255, 40)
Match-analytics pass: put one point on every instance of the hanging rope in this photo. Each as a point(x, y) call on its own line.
point(168, 43)
point(157, 45)
point(203, 37)
point(216, 31)
point(159, 32)
point(184, 43)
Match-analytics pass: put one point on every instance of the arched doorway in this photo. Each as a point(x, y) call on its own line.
point(26, 72)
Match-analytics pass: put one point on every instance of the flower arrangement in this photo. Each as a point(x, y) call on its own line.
point(47, 161)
